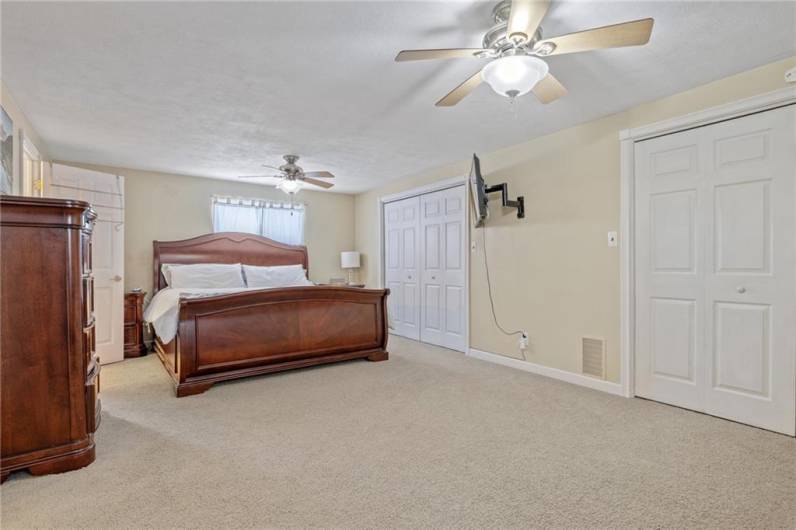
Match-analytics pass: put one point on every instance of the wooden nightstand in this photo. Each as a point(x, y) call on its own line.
point(134, 325)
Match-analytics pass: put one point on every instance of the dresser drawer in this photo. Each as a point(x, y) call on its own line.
point(88, 301)
point(92, 398)
point(85, 252)
point(93, 407)
point(89, 345)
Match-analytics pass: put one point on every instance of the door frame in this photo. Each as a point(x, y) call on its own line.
point(627, 140)
point(439, 185)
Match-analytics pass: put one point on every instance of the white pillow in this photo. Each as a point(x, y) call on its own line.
point(204, 276)
point(280, 276)
point(166, 269)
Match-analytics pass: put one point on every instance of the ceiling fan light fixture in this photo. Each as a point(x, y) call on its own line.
point(289, 186)
point(514, 75)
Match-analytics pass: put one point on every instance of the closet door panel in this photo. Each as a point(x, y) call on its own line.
point(444, 275)
point(402, 265)
point(751, 270)
point(455, 273)
point(433, 305)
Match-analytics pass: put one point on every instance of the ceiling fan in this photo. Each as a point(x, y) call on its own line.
point(515, 45)
point(293, 177)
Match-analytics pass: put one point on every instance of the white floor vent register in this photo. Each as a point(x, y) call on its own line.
point(593, 354)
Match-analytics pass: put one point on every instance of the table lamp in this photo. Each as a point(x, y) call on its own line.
point(349, 260)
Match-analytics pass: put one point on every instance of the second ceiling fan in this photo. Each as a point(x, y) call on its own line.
point(292, 176)
point(515, 44)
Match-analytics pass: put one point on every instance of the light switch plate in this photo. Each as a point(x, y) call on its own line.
point(612, 239)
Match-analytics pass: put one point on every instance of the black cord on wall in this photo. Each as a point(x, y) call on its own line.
point(489, 287)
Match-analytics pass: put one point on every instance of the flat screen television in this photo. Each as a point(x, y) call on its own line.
point(478, 193)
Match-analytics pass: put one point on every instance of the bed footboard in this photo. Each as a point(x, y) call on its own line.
point(250, 333)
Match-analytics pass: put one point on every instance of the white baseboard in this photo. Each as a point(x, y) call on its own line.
point(555, 373)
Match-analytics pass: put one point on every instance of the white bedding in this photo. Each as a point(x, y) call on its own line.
point(163, 312)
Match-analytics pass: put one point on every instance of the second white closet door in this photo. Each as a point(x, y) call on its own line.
point(442, 272)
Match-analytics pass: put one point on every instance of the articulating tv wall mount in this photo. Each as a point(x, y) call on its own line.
point(519, 204)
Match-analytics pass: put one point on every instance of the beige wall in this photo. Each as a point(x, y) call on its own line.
point(162, 206)
point(553, 274)
point(20, 122)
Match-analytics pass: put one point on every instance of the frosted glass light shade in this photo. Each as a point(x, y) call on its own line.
point(349, 260)
point(514, 75)
point(289, 186)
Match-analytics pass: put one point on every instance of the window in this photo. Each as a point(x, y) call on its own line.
point(279, 221)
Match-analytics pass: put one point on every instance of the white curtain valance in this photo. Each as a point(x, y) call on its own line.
point(257, 203)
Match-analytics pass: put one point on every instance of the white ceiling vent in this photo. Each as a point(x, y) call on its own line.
point(593, 354)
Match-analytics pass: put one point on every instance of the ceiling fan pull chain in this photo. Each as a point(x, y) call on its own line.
point(514, 105)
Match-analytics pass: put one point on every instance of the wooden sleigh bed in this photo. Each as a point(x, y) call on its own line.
point(230, 336)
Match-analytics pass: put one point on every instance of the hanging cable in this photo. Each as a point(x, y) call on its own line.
point(489, 288)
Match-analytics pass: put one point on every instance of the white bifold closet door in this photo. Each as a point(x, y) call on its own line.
point(402, 266)
point(442, 279)
point(716, 269)
point(425, 268)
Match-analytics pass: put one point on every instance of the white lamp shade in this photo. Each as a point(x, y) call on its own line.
point(349, 260)
point(289, 186)
point(514, 75)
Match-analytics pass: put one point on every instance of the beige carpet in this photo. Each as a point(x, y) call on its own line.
point(429, 439)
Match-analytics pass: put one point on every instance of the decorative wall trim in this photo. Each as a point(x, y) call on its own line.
point(553, 373)
point(728, 111)
point(422, 190)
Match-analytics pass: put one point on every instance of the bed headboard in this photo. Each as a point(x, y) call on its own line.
point(225, 247)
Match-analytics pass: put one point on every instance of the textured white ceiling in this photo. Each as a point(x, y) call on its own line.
point(216, 89)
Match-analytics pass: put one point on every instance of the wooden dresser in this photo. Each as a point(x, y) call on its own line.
point(50, 373)
point(134, 324)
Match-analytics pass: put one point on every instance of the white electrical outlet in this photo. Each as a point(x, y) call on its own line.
point(612, 239)
point(523, 342)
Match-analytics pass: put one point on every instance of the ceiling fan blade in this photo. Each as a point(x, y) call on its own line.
point(451, 53)
point(318, 174)
point(258, 176)
point(549, 89)
point(315, 182)
point(633, 33)
point(525, 17)
point(271, 167)
point(461, 91)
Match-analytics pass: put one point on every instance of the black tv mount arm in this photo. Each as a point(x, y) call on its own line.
point(519, 204)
